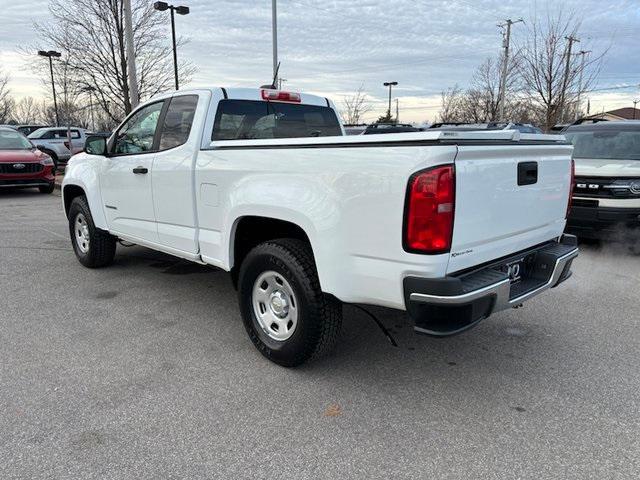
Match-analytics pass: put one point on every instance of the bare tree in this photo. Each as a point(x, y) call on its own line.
point(356, 106)
point(27, 111)
point(6, 101)
point(90, 33)
point(451, 108)
point(543, 68)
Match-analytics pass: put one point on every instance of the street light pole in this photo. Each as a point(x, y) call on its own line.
point(175, 53)
point(50, 54)
point(635, 102)
point(274, 35)
point(180, 10)
point(390, 85)
point(90, 90)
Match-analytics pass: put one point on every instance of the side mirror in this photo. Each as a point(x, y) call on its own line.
point(96, 145)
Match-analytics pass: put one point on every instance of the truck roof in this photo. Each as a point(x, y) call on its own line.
point(241, 93)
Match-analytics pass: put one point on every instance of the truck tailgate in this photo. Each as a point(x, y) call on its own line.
point(508, 198)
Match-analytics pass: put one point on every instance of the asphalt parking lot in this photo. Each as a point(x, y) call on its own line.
point(143, 370)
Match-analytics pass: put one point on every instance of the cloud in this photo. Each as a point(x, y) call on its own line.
point(333, 47)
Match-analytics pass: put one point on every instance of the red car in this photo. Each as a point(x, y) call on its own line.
point(22, 164)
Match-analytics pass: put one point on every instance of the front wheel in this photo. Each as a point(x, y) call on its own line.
point(93, 247)
point(287, 316)
point(48, 189)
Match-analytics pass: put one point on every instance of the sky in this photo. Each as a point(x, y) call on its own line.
point(332, 47)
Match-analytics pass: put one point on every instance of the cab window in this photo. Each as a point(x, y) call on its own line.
point(177, 121)
point(138, 132)
point(248, 119)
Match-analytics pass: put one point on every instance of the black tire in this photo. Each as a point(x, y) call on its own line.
point(319, 315)
point(101, 247)
point(48, 189)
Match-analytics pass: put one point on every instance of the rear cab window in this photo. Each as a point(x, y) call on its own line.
point(251, 119)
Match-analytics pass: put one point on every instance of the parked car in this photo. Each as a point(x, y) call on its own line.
point(377, 128)
point(22, 165)
point(54, 141)
point(606, 197)
point(354, 129)
point(29, 129)
point(450, 226)
point(458, 126)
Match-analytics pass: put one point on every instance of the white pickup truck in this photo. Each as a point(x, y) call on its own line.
point(449, 226)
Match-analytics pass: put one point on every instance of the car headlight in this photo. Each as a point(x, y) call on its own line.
point(47, 161)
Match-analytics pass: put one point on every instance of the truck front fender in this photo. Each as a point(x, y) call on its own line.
point(82, 172)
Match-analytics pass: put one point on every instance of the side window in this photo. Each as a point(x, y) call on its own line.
point(178, 120)
point(75, 134)
point(137, 134)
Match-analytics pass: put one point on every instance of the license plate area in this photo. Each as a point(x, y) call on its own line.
point(526, 272)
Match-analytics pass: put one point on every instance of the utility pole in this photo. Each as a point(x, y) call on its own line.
point(397, 110)
point(505, 63)
point(131, 57)
point(635, 102)
point(281, 81)
point(274, 33)
point(565, 80)
point(579, 102)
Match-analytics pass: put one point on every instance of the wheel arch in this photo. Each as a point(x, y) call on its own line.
point(71, 190)
point(248, 231)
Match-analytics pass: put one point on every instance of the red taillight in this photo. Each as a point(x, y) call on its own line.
point(279, 96)
point(571, 186)
point(429, 211)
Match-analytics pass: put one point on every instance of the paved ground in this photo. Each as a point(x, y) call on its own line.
point(143, 370)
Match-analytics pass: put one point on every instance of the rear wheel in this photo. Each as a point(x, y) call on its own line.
point(287, 316)
point(93, 247)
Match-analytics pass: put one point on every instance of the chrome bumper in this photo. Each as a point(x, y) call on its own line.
point(500, 290)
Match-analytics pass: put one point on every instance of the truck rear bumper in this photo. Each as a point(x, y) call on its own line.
point(453, 304)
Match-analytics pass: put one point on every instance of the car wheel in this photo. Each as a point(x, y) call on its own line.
point(287, 316)
point(93, 247)
point(48, 189)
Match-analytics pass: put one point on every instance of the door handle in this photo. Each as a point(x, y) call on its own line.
point(527, 173)
point(140, 170)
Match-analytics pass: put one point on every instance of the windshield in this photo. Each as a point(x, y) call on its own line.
point(38, 133)
point(606, 144)
point(12, 140)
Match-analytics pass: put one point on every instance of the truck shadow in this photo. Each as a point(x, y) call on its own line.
point(506, 344)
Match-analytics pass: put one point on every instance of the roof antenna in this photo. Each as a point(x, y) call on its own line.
point(275, 77)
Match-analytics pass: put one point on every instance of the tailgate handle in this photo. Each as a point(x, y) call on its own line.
point(527, 173)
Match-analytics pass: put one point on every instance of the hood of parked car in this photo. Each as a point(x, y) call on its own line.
point(17, 156)
point(607, 168)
